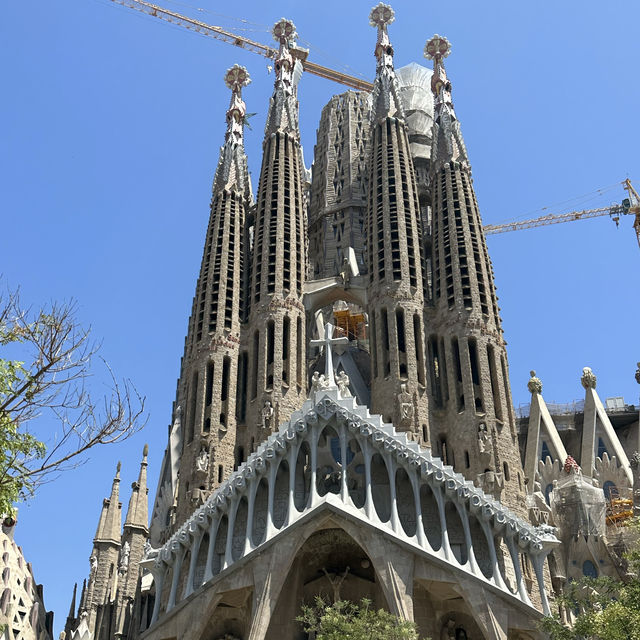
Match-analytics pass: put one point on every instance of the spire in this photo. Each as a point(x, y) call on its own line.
point(448, 144)
point(72, 608)
point(137, 513)
point(386, 90)
point(83, 597)
point(232, 171)
point(283, 105)
point(110, 523)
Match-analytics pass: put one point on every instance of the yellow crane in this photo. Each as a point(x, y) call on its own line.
point(219, 33)
point(629, 206)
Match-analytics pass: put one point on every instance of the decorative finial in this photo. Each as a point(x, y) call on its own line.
point(535, 384)
point(588, 378)
point(145, 451)
point(236, 77)
point(437, 48)
point(118, 467)
point(284, 31)
point(381, 15)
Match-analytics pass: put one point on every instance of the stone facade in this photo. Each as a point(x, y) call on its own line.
point(22, 612)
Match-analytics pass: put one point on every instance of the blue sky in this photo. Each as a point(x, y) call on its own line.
point(110, 126)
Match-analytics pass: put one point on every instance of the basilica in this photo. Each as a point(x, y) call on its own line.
point(343, 423)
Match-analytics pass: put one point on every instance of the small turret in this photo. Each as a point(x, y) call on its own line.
point(110, 523)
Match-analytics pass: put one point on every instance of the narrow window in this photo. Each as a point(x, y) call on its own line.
point(467, 461)
point(300, 350)
point(458, 365)
point(417, 340)
point(193, 406)
point(209, 389)
point(220, 473)
point(241, 390)
point(254, 368)
point(385, 341)
point(495, 389)
point(285, 349)
point(505, 468)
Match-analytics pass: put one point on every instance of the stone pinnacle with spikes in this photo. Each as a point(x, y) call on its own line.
point(235, 78)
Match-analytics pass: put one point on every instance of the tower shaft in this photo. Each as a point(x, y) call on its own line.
point(395, 262)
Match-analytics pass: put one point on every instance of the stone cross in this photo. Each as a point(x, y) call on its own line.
point(327, 343)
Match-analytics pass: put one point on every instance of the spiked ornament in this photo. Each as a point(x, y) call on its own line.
point(236, 77)
point(382, 14)
point(437, 48)
point(284, 31)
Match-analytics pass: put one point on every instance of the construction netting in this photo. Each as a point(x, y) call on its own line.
point(579, 508)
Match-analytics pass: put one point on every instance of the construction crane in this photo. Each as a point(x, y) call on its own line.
point(629, 206)
point(219, 33)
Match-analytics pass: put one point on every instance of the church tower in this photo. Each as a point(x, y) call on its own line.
point(275, 337)
point(134, 537)
point(207, 386)
point(395, 270)
point(103, 577)
point(472, 421)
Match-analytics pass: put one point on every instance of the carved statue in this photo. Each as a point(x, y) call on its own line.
point(345, 272)
point(343, 384)
point(267, 415)
point(336, 580)
point(588, 378)
point(483, 438)
point(202, 461)
point(124, 557)
point(405, 405)
point(535, 384)
point(318, 382)
point(93, 561)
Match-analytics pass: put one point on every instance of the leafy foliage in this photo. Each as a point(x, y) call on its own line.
point(606, 608)
point(349, 621)
point(43, 382)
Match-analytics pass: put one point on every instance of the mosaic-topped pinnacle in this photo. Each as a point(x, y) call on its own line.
point(236, 77)
point(437, 48)
point(284, 31)
point(381, 15)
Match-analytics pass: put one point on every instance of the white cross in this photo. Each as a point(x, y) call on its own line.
point(327, 342)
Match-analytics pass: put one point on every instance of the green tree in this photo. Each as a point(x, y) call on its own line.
point(606, 608)
point(349, 621)
point(46, 359)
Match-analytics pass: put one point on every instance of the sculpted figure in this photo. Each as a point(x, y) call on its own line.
point(318, 382)
point(405, 405)
point(267, 415)
point(93, 561)
point(124, 557)
point(483, 438)
point(336, 580)
point(343, 384)
point(202, 461)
